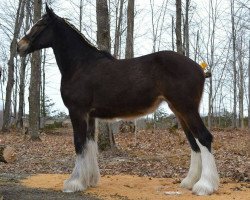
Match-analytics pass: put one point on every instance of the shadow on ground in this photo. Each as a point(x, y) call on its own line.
point(11, 189)
point(17, 192)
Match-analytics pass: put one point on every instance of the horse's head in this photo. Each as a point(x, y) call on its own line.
point(39, 36)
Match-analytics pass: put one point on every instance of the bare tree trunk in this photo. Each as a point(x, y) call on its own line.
point(103, 25)
point(210, 105)
point(103, 42)
point(178, 27)
point(1, 85)
point(234, 67)
point(43, 96)
point(210, 96)
point(186, 28)
point(249, 85)
point(118, 29)
point(129, 53)
point(21, 106)
point(15, 93)
point(196, 46)
point(35, 82)
point(241, 86)
point(164, 9)
point(10, 82)
point(173, 33)
point(156, 26)
point(19, 123)
point(211, 39)
point(80, 16)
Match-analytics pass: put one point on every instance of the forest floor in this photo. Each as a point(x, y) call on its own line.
point(149, 166)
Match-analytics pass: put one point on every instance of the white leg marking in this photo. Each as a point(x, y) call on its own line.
point(86, 172)
point(194, 172)
point(209, 181)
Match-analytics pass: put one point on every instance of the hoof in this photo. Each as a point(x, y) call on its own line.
point(94, 180)
point(73, 185)
point(203, 187)
point(188, 183)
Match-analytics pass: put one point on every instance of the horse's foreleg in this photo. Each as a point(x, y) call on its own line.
point(86, 171)
point(93, 151)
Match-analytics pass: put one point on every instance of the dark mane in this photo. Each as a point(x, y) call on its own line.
point(105, 53)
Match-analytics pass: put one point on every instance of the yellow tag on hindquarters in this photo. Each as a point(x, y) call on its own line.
point(203, 65)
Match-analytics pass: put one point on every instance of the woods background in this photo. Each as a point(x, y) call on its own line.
point(214, 31)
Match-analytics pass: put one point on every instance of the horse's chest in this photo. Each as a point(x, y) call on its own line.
point(76, 93)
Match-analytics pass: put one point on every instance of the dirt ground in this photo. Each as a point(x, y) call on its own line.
point(127, 187)
point(146, 167)
point(12, 189)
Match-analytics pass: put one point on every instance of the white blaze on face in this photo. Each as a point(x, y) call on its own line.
point(28, 32)
point(23, 45)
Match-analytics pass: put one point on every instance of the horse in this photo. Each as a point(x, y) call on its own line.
point(95, 85)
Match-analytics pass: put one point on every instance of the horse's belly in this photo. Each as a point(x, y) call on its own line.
point(126, 111)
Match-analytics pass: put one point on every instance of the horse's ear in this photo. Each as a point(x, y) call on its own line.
point(49, 11)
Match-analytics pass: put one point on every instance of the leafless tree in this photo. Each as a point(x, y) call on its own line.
point(103, 25)
point(173, 27)
point(23, 65)
point(43, 96)
point(239, 49)
point(106, 139)
point(11, 67)
point(178, 27)
point(249, 84)
point(234, 66)
point(118, 28)
point(129, 52)
point(213, 17)
point(81, 15)
point(186, 28)
point(35, 82)
point(157, 22)
point(196, 46)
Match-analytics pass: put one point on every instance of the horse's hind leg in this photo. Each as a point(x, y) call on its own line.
point(86, 171)
point(209, 180)
point(194, 172)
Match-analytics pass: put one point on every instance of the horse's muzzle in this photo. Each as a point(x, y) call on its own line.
point(22, 47)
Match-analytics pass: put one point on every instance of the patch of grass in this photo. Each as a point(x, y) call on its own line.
point(53, 126)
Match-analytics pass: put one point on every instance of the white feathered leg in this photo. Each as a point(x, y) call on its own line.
point(86, 171)
point(209, 181)
point(194, 172)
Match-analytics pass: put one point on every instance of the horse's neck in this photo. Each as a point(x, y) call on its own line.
point(70, 49)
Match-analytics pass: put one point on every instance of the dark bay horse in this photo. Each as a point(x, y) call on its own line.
point(96, 85)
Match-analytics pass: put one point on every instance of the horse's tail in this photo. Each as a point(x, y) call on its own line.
point(208, 74)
